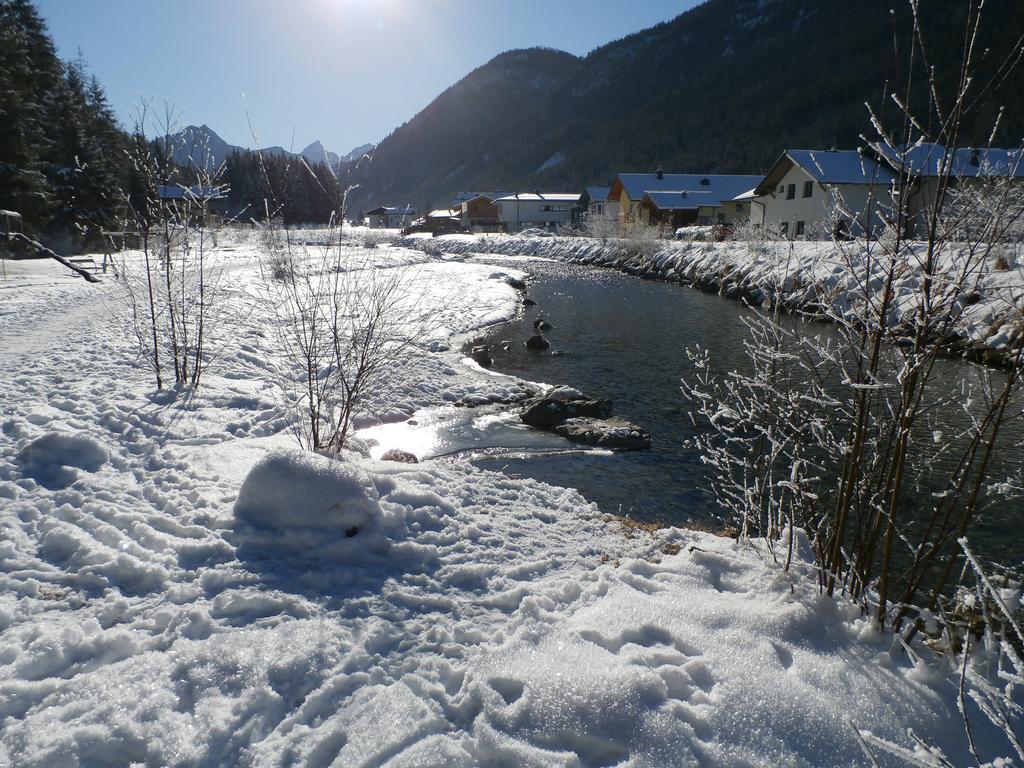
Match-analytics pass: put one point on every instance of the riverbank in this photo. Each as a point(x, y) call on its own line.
point(179, 586)
point(798, 275)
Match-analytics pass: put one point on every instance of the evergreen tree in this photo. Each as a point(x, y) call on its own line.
point(29, 75)
point(62, 158)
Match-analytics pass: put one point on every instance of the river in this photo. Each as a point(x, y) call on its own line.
point(624, 338)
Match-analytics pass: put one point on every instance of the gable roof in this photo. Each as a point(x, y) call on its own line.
point(468, 197)
point(554, 197)
point(598, 194)
point(680, 200)
point(386, 210)
point(719, 187)
point(933, 160)
point(827, 166)
point(490, 197)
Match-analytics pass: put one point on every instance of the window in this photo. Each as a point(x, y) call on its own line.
point(721, 218)
point(785, 228)
point(554, 208)
point(781, 189)
point(790, 191)
point(808, 188)
point(799, 229)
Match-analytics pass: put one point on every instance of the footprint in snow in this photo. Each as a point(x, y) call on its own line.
point(51, 460)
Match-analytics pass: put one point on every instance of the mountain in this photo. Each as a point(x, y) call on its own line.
point(317, 153)
point(358, 153)
point(461, 138)
point(725, 87)
point(201, 146)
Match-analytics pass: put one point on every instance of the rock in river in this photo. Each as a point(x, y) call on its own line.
point(481, 356)
point(605, 433)
point(550, 409)
point(537, 342)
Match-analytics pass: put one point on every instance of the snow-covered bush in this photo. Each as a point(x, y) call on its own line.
point(342, 321)
point(173, 290)
point(840, 434)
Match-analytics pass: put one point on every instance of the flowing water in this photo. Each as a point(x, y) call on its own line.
point(624, 338)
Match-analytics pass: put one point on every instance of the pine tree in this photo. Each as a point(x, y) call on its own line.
point(29, 73)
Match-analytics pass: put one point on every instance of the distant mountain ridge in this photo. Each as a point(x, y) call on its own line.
point(200, 146)
point(724, 87)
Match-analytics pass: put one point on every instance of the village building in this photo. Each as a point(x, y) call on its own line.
point(597, 213)
point(527, 210)
point(813, 194)
point(390, 217)
point(674, 200)
point(480, 212)
point(920, 168)
point(204, 200)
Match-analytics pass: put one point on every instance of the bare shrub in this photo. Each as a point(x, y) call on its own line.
point(344, 322)
point(173, 291)
point(601, 226)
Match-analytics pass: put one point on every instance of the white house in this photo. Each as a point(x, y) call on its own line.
point(820, 193)
point(526, 210)
point(390, 217)
point(601, 216)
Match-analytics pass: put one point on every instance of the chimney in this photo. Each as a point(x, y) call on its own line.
point(705, 182)
point(661, 174)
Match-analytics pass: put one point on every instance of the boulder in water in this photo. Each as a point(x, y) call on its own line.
point(604, 433)
point(481, 355)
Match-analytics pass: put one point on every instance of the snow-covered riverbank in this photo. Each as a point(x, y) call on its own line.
point(181, 587)
point(798, 274)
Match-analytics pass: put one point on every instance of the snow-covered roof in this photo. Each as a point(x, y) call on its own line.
point(936, 160)
point(490, 197)
point(839, 166)
point(468, 197)
point(389, 210)
point(681, 200)
point(721, 187)
point(553, 197)
point(598, 194)
point(442, 213)
point(827, 166)
point(748, 195)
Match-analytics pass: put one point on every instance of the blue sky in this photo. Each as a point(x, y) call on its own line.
point(343, 71)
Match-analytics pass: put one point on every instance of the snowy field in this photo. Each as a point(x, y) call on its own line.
point(179, 586)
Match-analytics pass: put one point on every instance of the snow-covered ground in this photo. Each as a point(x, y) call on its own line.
point(180, 586)
point(801, 274)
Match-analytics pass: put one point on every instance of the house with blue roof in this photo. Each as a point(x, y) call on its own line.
point(599, 214)
point(922, 167)
point(811, 193)
point(676, 200)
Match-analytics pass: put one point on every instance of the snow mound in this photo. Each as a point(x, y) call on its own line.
point(51, 460)
point(289, 490)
